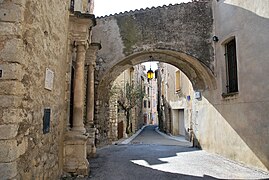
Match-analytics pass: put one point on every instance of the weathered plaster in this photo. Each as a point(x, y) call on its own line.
point(239, 122)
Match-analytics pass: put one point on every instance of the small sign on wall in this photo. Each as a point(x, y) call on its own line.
point(46, 121)
point(49, 79)
point(197, 95)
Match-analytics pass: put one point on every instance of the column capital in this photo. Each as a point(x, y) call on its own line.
point(80, 44)
point(91, 63)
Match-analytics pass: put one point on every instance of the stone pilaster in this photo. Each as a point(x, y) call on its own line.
point(91, 61)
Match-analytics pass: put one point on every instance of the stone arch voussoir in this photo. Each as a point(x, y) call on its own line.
point(200, 75)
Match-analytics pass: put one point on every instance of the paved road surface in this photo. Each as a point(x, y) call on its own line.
point(150, 136)
point(151, 156)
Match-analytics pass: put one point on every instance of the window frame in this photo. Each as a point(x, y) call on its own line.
point(178, 86)
point(230, 91)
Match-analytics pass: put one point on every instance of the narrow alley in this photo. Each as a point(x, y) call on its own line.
point(152, 155)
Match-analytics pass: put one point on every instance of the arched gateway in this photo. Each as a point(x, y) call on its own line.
point(182, 35)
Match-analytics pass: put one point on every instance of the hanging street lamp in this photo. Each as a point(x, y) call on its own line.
point(150, 74)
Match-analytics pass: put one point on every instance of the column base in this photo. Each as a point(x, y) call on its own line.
point(91, 149)
point(75, 160)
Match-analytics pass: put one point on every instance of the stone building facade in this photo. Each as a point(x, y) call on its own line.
point(40, 42)
point(45, 47)
point(117, 119)
point(150, 102)
point(175, 104)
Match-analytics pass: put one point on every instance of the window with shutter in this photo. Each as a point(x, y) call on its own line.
point(231, 65)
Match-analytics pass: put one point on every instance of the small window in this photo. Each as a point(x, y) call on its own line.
point(231, 67)
point(145, 103)
point(149, 104)
point(177, 81)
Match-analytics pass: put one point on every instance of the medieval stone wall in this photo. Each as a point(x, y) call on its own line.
point(184, 27)
point(33, 37)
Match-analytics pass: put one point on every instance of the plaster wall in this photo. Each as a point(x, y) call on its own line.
point(237, 126)
point(177, 100)
point(33, 37)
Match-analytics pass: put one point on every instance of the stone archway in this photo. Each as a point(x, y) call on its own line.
point(200, 76)
point(181, 35)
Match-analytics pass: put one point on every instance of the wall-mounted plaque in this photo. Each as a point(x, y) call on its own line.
point(49, 79)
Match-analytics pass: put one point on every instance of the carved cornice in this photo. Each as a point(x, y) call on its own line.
point(80, 15)
point(80, 25)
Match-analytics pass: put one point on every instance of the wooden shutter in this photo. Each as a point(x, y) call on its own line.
point(232, 67)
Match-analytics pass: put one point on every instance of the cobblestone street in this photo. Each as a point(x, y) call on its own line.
point(153, 156)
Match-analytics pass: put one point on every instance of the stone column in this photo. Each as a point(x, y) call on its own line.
point(75, 144)
point(75, 151)
point(90, 61)
point(78, 89)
